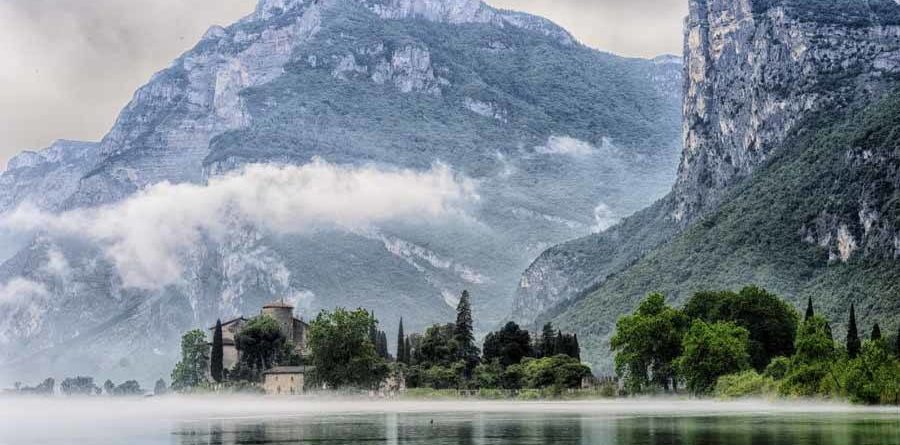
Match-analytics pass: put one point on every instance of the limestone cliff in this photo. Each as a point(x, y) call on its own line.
point(753, 71)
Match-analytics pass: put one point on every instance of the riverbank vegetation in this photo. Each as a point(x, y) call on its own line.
point(748, 344)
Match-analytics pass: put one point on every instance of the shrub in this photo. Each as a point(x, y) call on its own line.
point(745, 384)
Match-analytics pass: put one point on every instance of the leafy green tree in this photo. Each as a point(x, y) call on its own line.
point(812, 362)
point(876, 332)
point(160, 388)
point(401, 343)
point(560, 372)
point(438, 347)
point(489, 375)
point(342, 351)
point(217, 355)
point(444, 377)
point(190, 372)
point(262, 345)
point(647, 344)
point(712, 351)
point(464, 334)
point(771, 321)
point(509, 345)
point(853, 343)
point(874, 376)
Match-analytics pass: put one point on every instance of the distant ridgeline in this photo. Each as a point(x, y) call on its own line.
point(562, 140)
point(788, 179)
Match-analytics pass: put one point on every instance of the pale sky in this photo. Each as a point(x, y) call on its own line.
point(68, 66)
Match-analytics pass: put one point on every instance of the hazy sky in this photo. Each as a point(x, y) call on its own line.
point(68, 66)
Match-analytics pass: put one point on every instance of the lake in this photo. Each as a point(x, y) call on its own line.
point(289, 421)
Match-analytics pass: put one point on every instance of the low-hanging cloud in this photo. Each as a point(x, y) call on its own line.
point(147, 235)
point(20, 288)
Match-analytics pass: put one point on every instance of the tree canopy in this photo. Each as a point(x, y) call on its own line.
point(712, 350)
point(509, 345)
point(190, 372)
point(342, 350)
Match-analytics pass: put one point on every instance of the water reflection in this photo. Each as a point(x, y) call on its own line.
point(524, 429)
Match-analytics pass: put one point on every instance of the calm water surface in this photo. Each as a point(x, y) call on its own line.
point(495, 428)
point(217, 421)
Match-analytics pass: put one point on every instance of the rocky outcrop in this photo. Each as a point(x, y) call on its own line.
point(756, 68)
point(48, 177)
point(753, 71)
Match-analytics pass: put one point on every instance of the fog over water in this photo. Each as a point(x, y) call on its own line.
point(188, 420)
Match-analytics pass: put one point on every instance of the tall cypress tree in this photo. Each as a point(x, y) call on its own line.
point(401, 352)
point(407, 348)
point(809, 310)
point(464, 335)
point(548, 341)
point(217, 355)
point(576, 347)
point(853, 343)
point(876, 332)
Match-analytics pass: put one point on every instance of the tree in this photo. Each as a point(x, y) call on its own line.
point(217, 355)
point(874, 377)
point(711, 351)
point(262, 345)
point(897, 343)
point(438, 346)
point(408, 351)
point(771, 321)
point(853, 343)
point(108, 387)
point(190, 372)
point(160, 388)
point(809, 310)
point(812, 361)
point(129, 388)
point(401, 343)
point(559, 371)
point(647, 344)
point(79, 386)
point(548, 341)
point(342, 350)
point(509, 345)
point(464, 334)
point(876, 332)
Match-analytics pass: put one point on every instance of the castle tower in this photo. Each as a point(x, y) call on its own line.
point(283, 313)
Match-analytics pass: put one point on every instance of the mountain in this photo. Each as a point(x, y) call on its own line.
point(787, 180)
point(559, 139)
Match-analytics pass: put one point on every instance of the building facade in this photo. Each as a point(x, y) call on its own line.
point(293, 328)
point(284, 380)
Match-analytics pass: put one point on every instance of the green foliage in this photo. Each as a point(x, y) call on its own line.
point(772, 322)
point(217, 355)
point(830, 165)
point(438, 347)
point(262, 345)
point(509, 345)
point(444, 377)
point(648, 343)
point(778, 368)
point(813, 362)
point(489, 374)
point(814, 341)
point(560, 372)
point(745, 384)
point(402, 352)
point(464, 335)
point(874, 376)
point(876, 333)
point(190, 372)
point(853, 343)
point(342, 351)
point(711, 351)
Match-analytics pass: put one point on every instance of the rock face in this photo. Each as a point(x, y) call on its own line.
point(753, 71)
point(561, 140)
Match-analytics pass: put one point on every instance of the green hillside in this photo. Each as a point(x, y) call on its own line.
point(832, 167)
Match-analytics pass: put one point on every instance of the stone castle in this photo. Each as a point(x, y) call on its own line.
point(293, 328)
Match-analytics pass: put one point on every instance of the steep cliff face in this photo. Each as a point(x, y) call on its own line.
point(560, 139)
point(754, 70)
